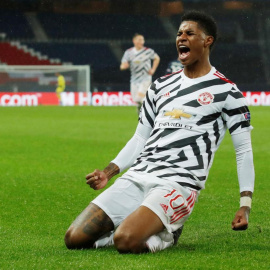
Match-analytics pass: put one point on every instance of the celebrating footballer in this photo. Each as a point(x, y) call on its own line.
point(182, 122)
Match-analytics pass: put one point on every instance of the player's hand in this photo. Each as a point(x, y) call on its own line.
point(97, 179)
point(124, 65)
point(151, 71)
point(240, 221)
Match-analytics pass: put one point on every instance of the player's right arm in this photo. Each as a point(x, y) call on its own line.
point(125, 61)
point(127, 156)
point(124, 66)
point(99, 179)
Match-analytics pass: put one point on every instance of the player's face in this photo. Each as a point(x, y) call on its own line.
point(191, 43)
point(138, 41)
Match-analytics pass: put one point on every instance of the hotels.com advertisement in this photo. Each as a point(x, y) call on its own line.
point(67, 99)
point(98, 99)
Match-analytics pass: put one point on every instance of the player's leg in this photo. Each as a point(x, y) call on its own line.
point(103, 215)
point(142, 89)
point(59, 90)
point(88, 227)
point(132, 234)
point(143, 230)
point(134, 90)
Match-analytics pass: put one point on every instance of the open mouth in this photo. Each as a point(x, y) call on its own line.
point(184, 52)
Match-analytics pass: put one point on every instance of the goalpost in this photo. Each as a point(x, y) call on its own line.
point(43, 78)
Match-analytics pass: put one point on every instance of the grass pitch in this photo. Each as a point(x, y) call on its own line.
point(47, 151)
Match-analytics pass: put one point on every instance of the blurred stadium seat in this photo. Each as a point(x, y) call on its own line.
point(15, 25)
point(99, 26)
point(15, 54)
point(99, 55)
point(87, 39)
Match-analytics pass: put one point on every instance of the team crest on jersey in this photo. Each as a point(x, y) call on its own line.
point(205, 98)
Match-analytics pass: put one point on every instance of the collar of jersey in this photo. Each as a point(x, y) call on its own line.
point(202, 78)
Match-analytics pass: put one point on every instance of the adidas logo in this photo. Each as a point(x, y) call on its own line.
point(167, 94)
point(164, 207)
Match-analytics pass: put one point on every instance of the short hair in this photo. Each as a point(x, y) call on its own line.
point(205, 21)
point(136, 34)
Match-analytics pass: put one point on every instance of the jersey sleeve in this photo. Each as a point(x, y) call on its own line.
point(148, 109)
point(132, 149)
point(235, 112)
point(153, 54)
point(125, 57)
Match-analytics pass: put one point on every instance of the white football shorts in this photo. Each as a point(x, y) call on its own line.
point(171, 202)
point(138, 90)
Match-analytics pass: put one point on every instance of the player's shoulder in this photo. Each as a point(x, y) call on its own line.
point(222, 77)
point(148, 49)
point(231, 86)
point(228, 89)
point(169, 76)
point(161, 82)
point(129, 50)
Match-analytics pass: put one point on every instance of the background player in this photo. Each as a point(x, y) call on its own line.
point(61, 85)
point(138, 59)
point(182, 123)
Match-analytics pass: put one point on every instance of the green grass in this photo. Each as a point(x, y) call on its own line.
point(47, 151)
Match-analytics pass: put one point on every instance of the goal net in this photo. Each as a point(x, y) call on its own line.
point(43, 78)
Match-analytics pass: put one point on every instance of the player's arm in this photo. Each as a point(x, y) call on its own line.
point(99, 179)
point(155, 65)
point(127, 156)
point(246, 177)
point(124, 66)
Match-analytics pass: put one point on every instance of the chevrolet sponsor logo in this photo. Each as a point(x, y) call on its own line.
point(177, 114)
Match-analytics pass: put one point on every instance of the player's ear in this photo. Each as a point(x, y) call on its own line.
point(208, 41)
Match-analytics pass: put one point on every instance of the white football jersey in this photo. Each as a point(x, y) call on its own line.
point(189, 118)
point(140, 63)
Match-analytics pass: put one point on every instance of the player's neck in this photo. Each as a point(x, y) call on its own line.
point(197, 69)
point(138, 48)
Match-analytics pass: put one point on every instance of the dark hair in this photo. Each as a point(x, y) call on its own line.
point(137, 34)
point(205, 21)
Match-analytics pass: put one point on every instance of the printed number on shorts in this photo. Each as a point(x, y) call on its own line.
point(180, 205)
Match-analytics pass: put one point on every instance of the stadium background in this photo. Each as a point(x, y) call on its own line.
point(96, 33)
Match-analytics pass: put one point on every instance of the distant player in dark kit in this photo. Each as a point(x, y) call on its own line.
point(183, 120)
point(138, 59)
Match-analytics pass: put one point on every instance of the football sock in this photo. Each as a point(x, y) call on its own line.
point(105, 241)
point(160, 241)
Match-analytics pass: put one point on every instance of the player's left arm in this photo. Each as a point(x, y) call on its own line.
point(155, 65)
point(246, 178)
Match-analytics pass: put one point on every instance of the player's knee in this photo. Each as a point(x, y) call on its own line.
point(75, 240)
point(70, 239)
point(126, 242)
